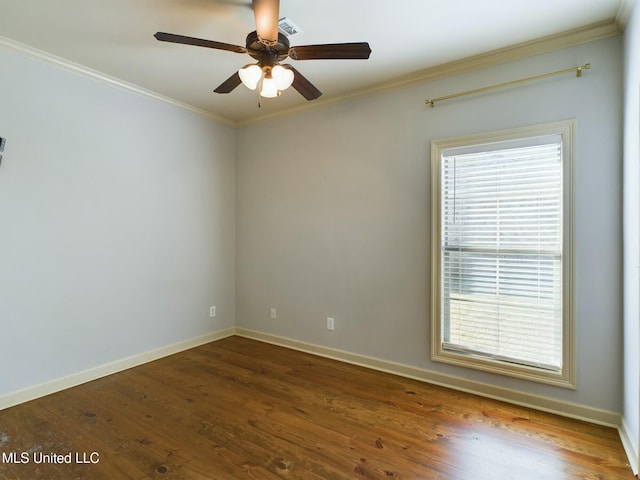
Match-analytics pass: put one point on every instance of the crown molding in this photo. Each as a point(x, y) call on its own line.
point(107, 79)
point(588, 33)
point(570, 38)
point(624, 12)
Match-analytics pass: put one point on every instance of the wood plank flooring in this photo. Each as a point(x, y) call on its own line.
point(241, 409)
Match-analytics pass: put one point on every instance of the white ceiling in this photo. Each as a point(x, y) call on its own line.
point(115, 37)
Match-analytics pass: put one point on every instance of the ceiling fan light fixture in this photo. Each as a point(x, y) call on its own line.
point(250, 75)
point(268, 46)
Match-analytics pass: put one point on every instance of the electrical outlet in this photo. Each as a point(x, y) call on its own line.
point(212, 311)
point(274, 314)
point(331, 323)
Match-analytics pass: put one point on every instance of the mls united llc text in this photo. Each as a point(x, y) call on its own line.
point(58, 458)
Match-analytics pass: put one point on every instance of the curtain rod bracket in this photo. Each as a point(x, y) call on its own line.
point(586, 66)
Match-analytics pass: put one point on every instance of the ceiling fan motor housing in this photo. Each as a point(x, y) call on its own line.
point(267, 53)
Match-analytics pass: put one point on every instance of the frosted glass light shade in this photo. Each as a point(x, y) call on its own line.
point(269, 88)
point(282, 76)
point(250, 76)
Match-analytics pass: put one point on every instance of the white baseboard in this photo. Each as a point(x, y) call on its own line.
point(567, 409)
point(550, 405)
point(37, 391)
point(630, 446)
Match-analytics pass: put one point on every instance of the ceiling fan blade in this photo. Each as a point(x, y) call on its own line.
point(229, 84)
point(329, 51)
point(199, 42)
point(307, 89)
point(266, 13)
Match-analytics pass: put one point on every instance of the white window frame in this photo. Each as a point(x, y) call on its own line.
point(565, 377)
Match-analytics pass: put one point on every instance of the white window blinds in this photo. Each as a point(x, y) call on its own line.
point(501, 251)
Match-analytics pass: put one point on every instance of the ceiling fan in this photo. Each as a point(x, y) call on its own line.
point(269, 48)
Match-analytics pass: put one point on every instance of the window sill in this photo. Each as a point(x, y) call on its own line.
point(561, 379)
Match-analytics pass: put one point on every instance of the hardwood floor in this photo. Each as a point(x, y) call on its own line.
point(241, 409)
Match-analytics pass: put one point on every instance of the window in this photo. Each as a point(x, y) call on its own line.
point(502, 296)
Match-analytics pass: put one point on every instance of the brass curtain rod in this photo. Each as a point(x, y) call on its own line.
point(578, 70)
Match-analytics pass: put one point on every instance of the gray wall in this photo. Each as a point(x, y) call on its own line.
point(117, 218)
point(333, 215)
point(116, 224)
point(631, 408)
